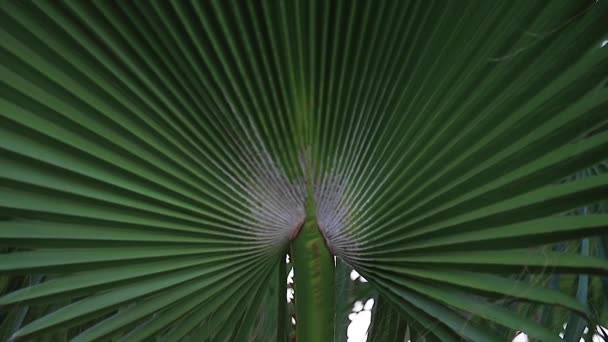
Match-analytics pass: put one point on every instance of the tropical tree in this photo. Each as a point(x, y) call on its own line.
point(159, 159)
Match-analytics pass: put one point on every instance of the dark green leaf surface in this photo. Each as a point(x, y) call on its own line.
point(157, 159)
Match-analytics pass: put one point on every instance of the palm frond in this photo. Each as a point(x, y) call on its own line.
point(155, 159)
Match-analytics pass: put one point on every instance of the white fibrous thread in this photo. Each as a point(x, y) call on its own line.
point(334, 213)
point(277, 203)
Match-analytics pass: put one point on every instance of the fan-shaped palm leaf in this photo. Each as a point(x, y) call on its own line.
point(158, 159)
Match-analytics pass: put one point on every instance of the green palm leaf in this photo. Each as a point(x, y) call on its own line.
point(159, 158)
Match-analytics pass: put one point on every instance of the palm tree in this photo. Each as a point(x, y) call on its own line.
point(159, 159)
